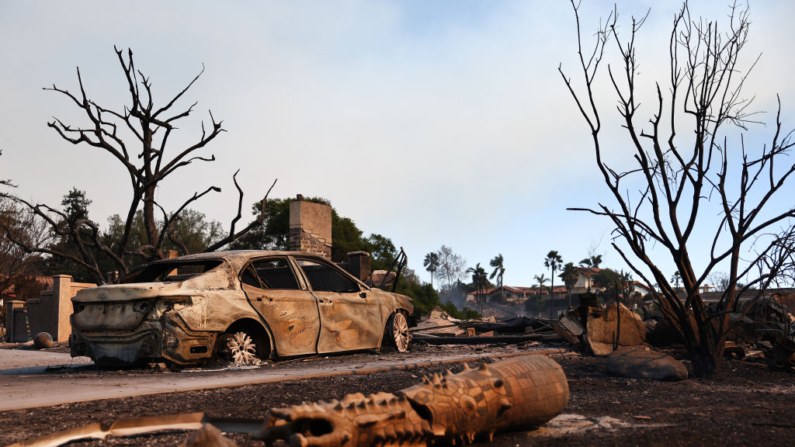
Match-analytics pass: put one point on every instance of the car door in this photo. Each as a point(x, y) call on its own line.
point(289, 309)
point(350, 315)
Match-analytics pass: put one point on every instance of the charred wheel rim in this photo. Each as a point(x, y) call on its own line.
point(400, 332)
point(244, 351)
point(237, 348)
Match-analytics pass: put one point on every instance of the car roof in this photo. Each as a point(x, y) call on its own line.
point(239, 255)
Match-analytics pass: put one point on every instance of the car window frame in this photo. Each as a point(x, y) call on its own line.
point(299, 280)
point(180, 260)
point(333, 266)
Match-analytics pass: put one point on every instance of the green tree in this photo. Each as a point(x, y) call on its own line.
point(75, 205)
point(541, 280)
point(536, 303)
point(479, 281)
point(676, 278)
point(273, 233)
point(190, 232)
point(68, 236)
point(612, 284)
point(346, 237)
point(499, 271)
point(553, 262)
point(424, 297)
point(431, 264)
point(381, 249)
point(569, 275)
point(465, 314)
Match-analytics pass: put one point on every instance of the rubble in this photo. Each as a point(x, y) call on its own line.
point(782, 356)
point(639, 362)
point(569, 329)
point(761, 335)
point(440, 329)
point(208, 436)
point(603, 329)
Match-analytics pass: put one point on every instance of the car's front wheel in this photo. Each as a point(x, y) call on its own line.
point(398, 331)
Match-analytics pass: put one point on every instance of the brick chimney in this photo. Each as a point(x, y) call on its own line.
point(310, 227)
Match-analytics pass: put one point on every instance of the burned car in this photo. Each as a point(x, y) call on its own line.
point(189, 309)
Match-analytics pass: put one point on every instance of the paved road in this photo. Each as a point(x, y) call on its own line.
point(21, 361)
point(28, 388)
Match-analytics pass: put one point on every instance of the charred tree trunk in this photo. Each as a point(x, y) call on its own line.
point(150, 221)
point(679, 180)
point(148, 159)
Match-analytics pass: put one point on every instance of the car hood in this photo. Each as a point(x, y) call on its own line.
point(126, 292)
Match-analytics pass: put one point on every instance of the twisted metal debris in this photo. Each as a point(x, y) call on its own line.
point(518, 393)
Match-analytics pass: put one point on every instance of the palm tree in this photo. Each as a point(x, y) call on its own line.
point(499, 271)
point(540, 284)
point(591, 261)
point(540, 281)
point(553, 261)
point(569, 275)
point(676, 278)
point(480, 281)
point(431, 264)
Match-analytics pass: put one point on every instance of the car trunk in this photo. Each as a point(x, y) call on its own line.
point(118, 315)
point(116, 307)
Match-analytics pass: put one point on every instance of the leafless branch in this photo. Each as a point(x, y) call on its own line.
point(232, 236)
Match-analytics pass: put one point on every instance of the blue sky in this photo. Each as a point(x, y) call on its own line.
point(429, 122)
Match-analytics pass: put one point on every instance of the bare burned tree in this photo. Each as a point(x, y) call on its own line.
point(20, 224)
point(683, 177)
point(148, 160)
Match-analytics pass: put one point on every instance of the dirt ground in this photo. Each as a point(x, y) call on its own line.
point(750, 405)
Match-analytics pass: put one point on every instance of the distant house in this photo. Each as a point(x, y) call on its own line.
point(639, 287)
point(517, 295)
point(584, 282)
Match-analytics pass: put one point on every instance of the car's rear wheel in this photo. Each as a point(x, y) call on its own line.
point(242, 344)
point(237, 348)
point(398, 331)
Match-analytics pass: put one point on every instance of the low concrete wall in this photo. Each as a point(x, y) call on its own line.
point(49, 313)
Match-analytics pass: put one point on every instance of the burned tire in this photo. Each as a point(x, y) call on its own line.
point(237, 348)
point(242, 344)
point(397, 329)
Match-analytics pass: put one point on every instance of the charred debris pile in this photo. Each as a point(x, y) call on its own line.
point(765, 334)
